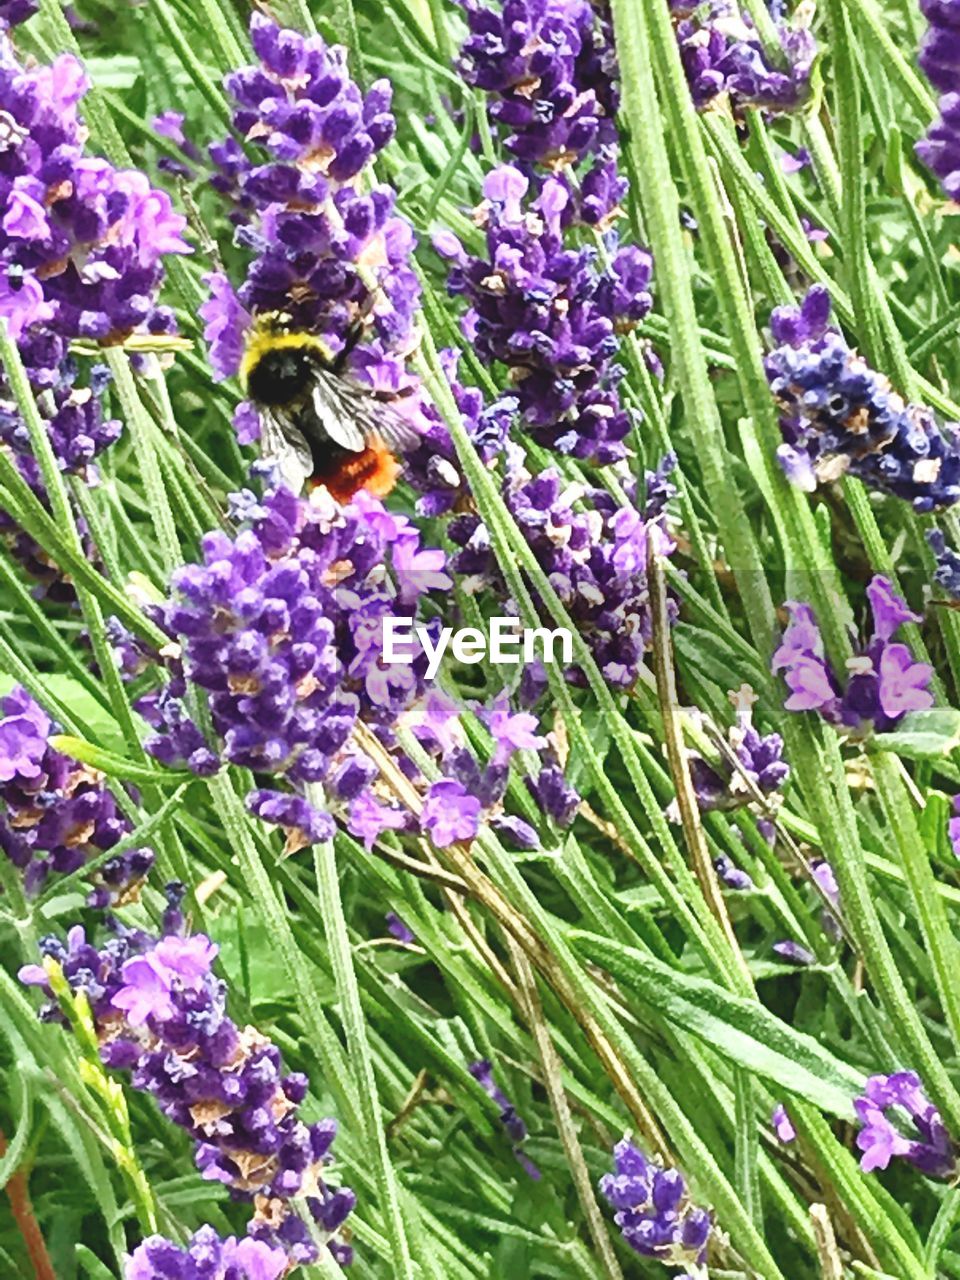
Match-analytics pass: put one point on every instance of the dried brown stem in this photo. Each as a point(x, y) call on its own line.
point(23, 1215)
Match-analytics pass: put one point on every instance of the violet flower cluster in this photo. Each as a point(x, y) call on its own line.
point(882, 682)
point(82, 246)
point(839, 416)
point(57, 814)
point(206, 1255)
point(940, 62)
point(282, 626)
point(550, 70)
point(13, 12)
point(595, 557)
point(880, 1141)
point(471, 793)
point(653, 1210)
point(160, 1014)
point(550, 314)
point(510, 1118)
point(719, 785)
point(323, 252)
point(722, 53)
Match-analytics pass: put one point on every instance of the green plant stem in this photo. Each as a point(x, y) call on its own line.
point(351, 1012)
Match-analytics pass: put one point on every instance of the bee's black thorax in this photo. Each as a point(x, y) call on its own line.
point(281, 377)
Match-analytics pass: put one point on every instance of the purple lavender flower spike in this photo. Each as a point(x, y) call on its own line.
point(719, 786)
point(160, 1014)
point(839, 416)
point(13, 12)
point(510, 1118)
point(596, 559)
point(723, 54)
point(450, 813)
point(550, 68)
point(947, 572)
point(56, 814)
point(882, 682)
point(653, 1209)
point(209, 1255)
point(282, 625)
point(550, 315)
point(732, 875)
point(940, 61)
point(933, 1153)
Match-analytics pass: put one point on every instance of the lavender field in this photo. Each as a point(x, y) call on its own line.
point(479, 660)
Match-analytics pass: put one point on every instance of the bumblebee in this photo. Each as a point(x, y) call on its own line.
point(319, 424)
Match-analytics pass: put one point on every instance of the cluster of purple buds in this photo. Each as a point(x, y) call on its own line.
point(510, 1118)
point(551, 70)
point(325, 254)
point(160, 1014)
point(81, 243)
point(722, 53)
point(653, 1209)
point(940, 61)
point(933, 1152)
point(56, 814)
point(882, 682)
point(469, 793)
point(719, 785)
point(839, 416)
point(283, 627)
point(206, 1255)
point(13, 12)
point(947, 571)
point(595, 557)
point(550, 315)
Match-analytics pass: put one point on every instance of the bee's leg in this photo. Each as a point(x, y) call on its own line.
point(359, 325)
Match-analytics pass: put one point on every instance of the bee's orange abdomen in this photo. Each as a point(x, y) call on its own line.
point(375, 469)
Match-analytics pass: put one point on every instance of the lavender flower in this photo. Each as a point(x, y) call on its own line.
point(550, 67)
point(283, 627)
point(794, 953)
point(330, 255)
point(81, 243)
point(653, 1210)
point(953, 827)
point(206, 1255)
point(548, 314)
point(13, 12)
point(719, 786)
point(55, 813)
point(723, 54)
point(947, 572)
point(940, 61)
point(932, 1153)
point(840, 416)
point(783, 1125)
point(399, 929)
point(511, 1120)
point(596, 559)
point(732, 875)
point(882, 681)
point(160, 1014)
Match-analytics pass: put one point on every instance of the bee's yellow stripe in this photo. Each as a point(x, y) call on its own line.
point(264, 338)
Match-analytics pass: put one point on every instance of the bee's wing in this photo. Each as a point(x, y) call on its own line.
point(350, 414)
point(283, 444)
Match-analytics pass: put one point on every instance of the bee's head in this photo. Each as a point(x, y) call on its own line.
point(280, 375)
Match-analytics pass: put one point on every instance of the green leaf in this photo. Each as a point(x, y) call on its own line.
point(741, 1029)
point(116, 766)
point(922, 735)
